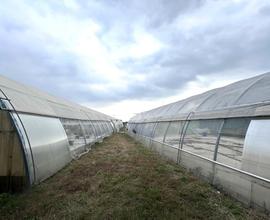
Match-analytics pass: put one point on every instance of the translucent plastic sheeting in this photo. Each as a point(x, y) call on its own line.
point(230, 148)
point(113, 126)
point(67, 112)
point(139, 128)
point(238, 143)
point(107, 128)
point(258, 91)
point(23, 103)
point(160, 131)
point(26, 147)
point(246, 92)
point(256, 154)
point(75, 135)
point(227, 96)
point(110, 124)
point(148, 129)
point(174, 132)
point(89, 131)
point(201, 137)
point(31, 100)
point(103, 128)
point(49, 144)
point(97, 129)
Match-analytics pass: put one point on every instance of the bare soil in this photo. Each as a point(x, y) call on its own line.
point(120, 179)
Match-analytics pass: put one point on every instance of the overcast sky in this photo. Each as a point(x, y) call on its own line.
point(124, 57)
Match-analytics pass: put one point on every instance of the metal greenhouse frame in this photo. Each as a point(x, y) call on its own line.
point(221, 135)
point(40, 134)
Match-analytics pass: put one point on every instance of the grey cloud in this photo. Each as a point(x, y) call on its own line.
point(227, 43)
point(212, 49)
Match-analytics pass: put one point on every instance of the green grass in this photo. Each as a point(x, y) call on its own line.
point(120, 179)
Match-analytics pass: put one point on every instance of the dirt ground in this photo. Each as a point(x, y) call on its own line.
point(120, 179)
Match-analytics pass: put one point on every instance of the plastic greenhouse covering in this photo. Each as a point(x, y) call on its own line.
point(221, 135)
point(248, 97)
point(50, 132)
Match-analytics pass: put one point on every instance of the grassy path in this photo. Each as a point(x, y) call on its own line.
point(120, 179)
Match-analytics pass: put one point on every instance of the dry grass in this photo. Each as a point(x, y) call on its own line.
point(120, 179)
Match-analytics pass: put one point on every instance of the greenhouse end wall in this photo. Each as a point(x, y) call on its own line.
point(220, 151)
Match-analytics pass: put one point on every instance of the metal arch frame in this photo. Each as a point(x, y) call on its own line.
point(231, 108)
point(142, 128)
point(216, 149)
point(94, 129)
point(26, 135)
point(156, 124)
point(153, 133)
point(82, 130)
point(182, 135)
point(154, 129)
point(151, 130)
point(242, 93)
point(182, 106)
point(113, 126)
point(245, 90)
point(98, 129)
point(109, 127)
point(218, 139)
point(90, 121)
point(103, 130)
point(166, 131)
point(80, 124)
point(106, 128)
point(169, 108)
point(205, 100)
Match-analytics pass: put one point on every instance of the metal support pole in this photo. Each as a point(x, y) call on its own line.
point(166, 132)
point(183, 133)
point(218, 138)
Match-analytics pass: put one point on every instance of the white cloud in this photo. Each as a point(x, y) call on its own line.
point(124, 58)
point(145, 45)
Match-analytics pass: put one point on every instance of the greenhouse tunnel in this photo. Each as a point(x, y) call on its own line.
point(40, 134)
point(221, 135)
